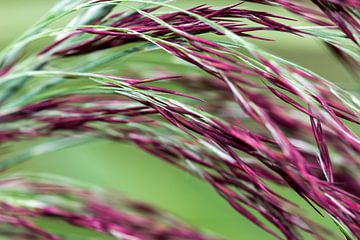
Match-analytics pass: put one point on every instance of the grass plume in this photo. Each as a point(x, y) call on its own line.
point(243, 120)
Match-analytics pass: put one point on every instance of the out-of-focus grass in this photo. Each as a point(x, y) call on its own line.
point(125, 168)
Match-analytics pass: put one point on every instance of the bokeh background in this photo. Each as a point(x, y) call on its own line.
point(126, 169)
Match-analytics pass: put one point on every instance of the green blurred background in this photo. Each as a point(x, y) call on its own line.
point(126, 169)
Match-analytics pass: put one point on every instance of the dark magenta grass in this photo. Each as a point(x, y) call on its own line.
point(130, 219)
point(252, 121)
